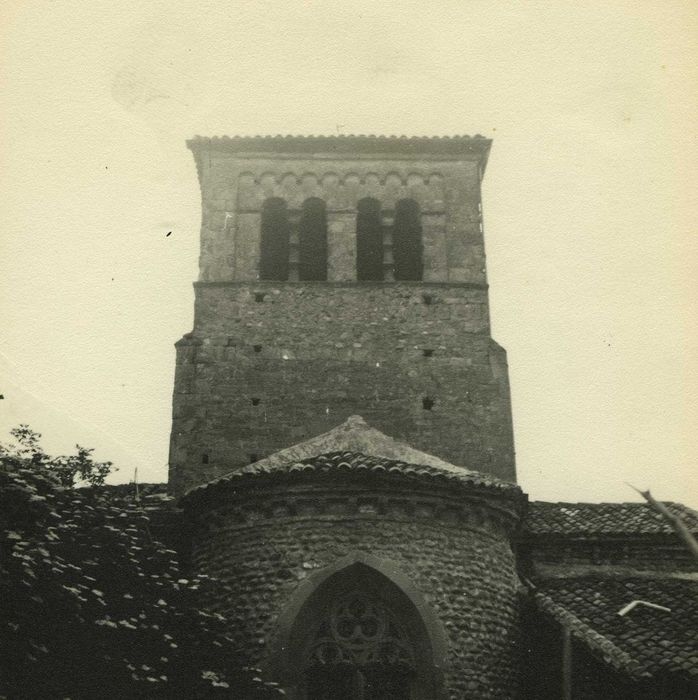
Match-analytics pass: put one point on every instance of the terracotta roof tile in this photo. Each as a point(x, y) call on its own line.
point(356, 446)
point(643, 642)
point(334, 463)
point(445, 145)
point(589, 519)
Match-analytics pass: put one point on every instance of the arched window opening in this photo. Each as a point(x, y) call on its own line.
point(359, 651)
point(274, 244)
point(312, 241)
point(359, 637)
point(407, 241)
point(369, 240)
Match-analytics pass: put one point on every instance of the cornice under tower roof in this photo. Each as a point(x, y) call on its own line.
point(450, 147)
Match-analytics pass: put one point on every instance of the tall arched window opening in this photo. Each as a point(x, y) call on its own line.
point(369, 240)
point(360, 651)
point(312, 241)
point(274, 244)
point(407, 241)
point(359, 637)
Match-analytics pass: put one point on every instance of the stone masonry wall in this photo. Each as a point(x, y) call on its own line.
point(464, 571)
point(234, 186)
point(658, 552)
point(272, 364)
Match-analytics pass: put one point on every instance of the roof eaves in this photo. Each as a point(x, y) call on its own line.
point(321, 466)
point(344, 144)
point(594, 640)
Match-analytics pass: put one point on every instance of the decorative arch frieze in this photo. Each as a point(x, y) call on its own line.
point(492, 520)
point(341, 191)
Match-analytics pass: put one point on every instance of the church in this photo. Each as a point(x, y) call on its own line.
point(342, 449)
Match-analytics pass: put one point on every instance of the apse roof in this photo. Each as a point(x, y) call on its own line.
point(354, 446)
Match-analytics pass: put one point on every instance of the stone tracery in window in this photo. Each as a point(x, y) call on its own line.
point(360, 631)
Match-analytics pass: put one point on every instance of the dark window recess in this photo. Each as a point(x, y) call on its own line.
point(369, 240)
point(427, 352)
point(427, 403)
point(360, 627)
point(253, 458)
point(257, 348)
point(259, 296)
point(407, 241)
point(428, 299)
point(204, 459)
point(312, 241)
point(274, 243)
point(255, 401)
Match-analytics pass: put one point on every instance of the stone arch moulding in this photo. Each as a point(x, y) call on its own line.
point(279, 664)
point(341, 191)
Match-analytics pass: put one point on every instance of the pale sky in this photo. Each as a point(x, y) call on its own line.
point(589, 198)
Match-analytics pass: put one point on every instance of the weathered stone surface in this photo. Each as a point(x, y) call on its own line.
point(315, 353)
point(270, 364)
point(270, 540)
point(236, 179)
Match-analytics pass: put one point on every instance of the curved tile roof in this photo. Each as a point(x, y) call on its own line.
point(333, 464)
point(643, 642)
point(589, 519)
point(355, 446)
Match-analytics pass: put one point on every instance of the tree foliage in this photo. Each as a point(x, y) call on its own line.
point(93, 606)
point(70, 470)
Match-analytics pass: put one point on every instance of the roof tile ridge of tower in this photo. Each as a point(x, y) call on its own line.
point(342, 137)
point(453, 145)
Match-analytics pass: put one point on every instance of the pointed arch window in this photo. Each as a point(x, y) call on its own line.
point(369, 240)
point(360, 630)
point(358, 637)
point(312, 241)
point(274, 244)
point(407, 241)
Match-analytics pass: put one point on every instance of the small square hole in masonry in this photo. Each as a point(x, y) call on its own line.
point(259, 297)
point(255, 401)
point(204, 459)
point(428, 299)
point(428, 352)
point(253, 457)
point(257, 348)
point(427, 403)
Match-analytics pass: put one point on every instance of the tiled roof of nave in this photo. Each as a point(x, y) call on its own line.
point(644, 641)
point(589, 519)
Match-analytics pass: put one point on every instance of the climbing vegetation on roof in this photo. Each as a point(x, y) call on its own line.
point(93, 606)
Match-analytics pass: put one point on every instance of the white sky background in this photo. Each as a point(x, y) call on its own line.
point(590, 204)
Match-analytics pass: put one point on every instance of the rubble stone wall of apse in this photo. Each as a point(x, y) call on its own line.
point(458, 558)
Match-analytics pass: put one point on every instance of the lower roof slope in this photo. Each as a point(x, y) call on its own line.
point(645, 641)
point(598, 519)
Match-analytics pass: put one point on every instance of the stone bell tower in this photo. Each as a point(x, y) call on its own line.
point(339, 276)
